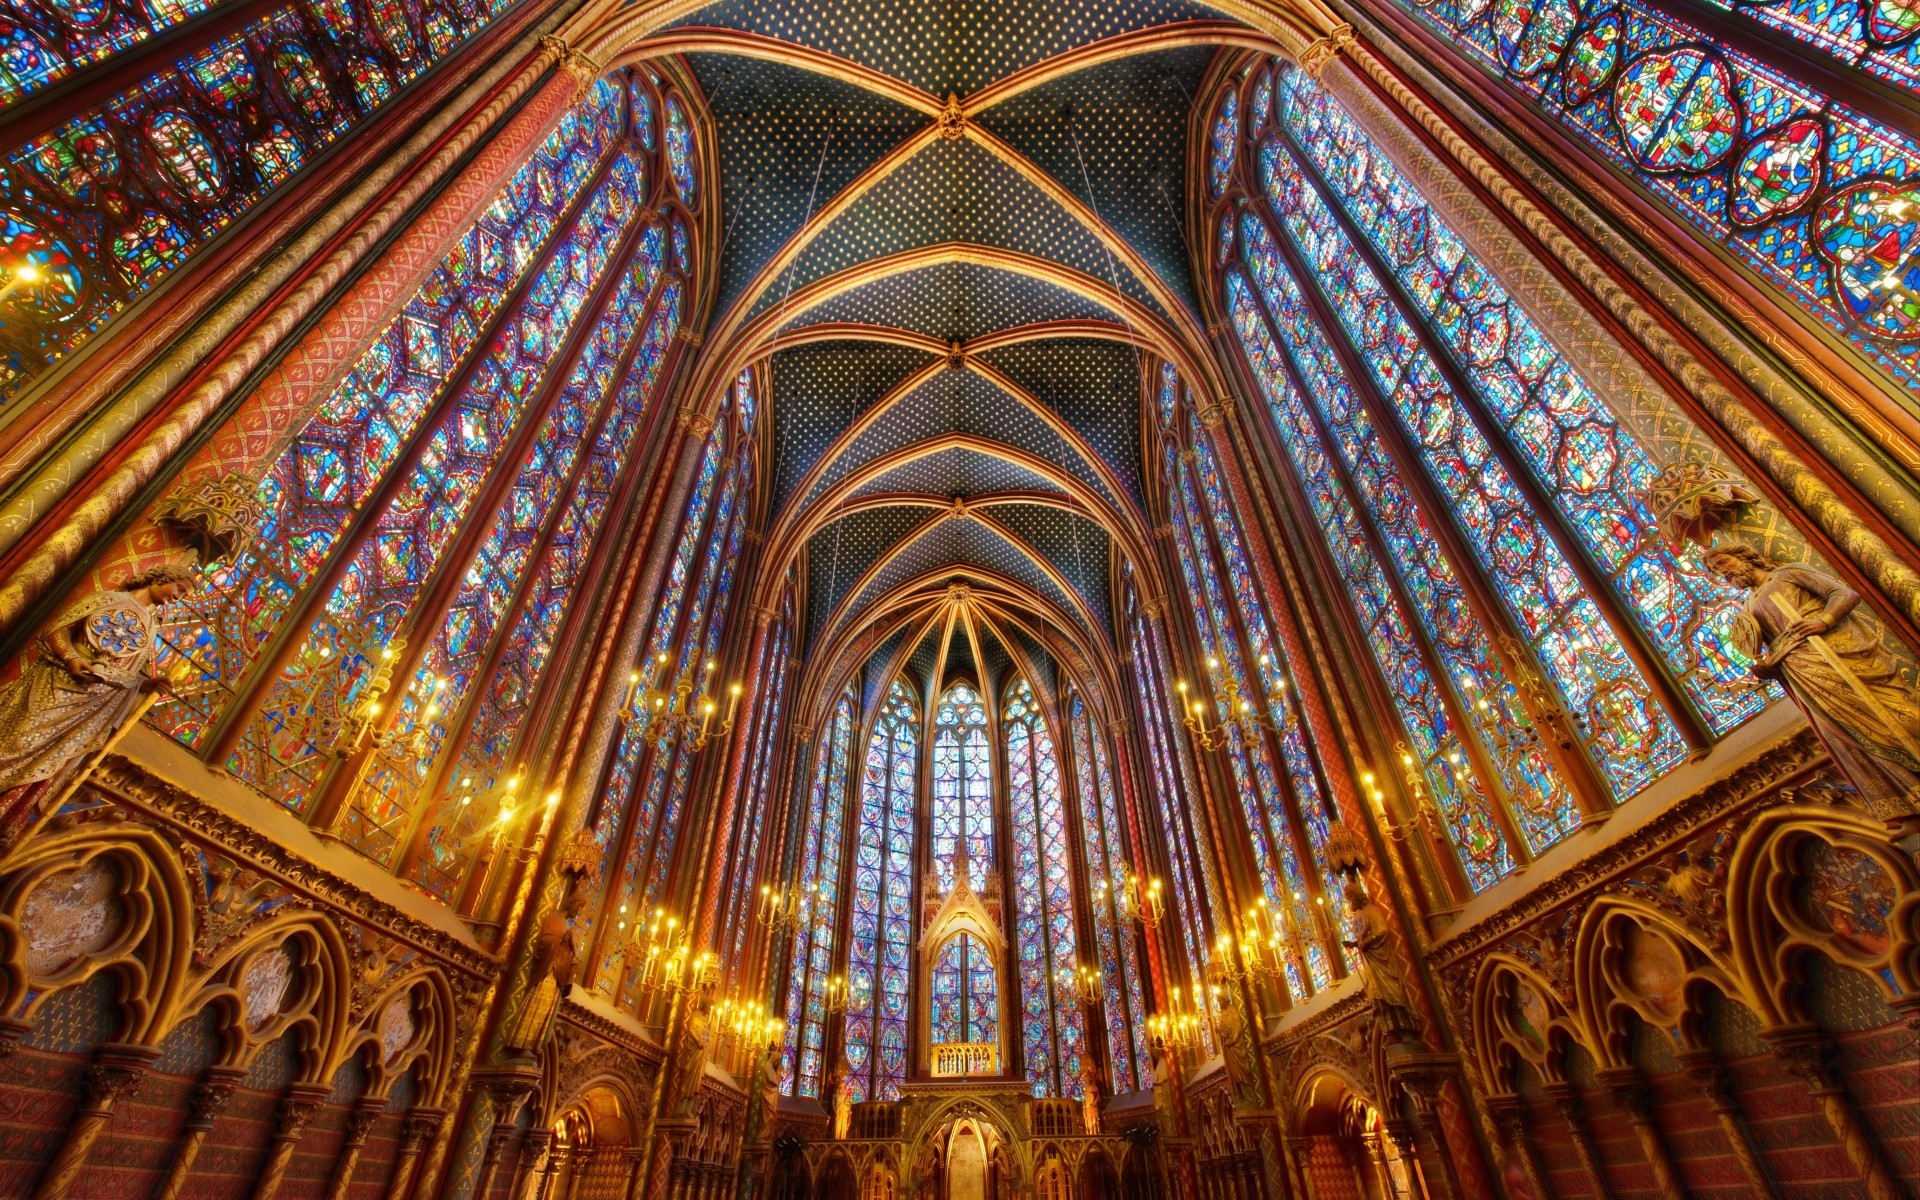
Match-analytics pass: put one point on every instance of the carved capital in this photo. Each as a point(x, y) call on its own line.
point(210, 1096)
point(116, 1071)
point(1154, 607)
point(1805, 1050)
point(1704, 1072)
point(217, 517)
point(361, 1120)
point(583, 69)
point(421, 1124)
point(696, 423)
point(297, 1109)
point(1324, 50)
point(1214, 415)
point(1631, 1092)
point(1509, 1118)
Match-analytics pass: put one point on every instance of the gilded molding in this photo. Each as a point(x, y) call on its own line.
point(1780, 765)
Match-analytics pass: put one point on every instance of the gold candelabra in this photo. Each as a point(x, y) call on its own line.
point(663, 713)
point(1086, 982)
point(1142, 902)
point(788, 907)
point(1244, 722)
point(667, 964)
point(1181, 1027)
point(836, 994)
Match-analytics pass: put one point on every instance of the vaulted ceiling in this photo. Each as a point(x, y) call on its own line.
point(955, 233)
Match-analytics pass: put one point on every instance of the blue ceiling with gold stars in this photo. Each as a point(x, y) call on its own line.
point(947, 241)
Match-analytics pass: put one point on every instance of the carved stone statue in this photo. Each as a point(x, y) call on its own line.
point(840, 1087)
point(1385, 974)
point(554, 959)
point(84, 679)
point(1803, 628)
point(690, 1057)
point(1093, 1087)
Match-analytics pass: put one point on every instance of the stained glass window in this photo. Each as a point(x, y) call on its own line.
point(1044, 937)
point(680, 156)
point(1225, 141)
point(337, 463)
point(883, 930)
point(962, 785)
point(804, 1067)
point(118, 196)
point(1589, 463)
point(1262, 802)
point(965, 996)
point(737, 920)
point(1812, 194)
point(1175, 802)
point(1107, 863)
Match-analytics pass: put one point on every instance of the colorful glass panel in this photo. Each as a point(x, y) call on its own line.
point(335, 464)
point(1631, 738)
point(804, 1068)
point(1107, 861)
point(680, 152)
point(1433, 744)
point(964, 1000)
point(1224, 143)
point(962, 785)
point(1672, 107)
point(882, 932)
point(197, 145)
point(420, 509)
point(1043, 925)
point(1592, 467)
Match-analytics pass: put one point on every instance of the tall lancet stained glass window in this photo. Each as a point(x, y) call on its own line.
point(962, 785)
point(1481, 501)
point(879, 962)
point(1107, 865)
point(965, 1002)
point(802, 1066)
point(1043, 927)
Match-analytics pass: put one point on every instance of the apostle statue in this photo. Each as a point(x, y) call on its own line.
point(840, 1090)
point(1092, 1090)
point(1803, 628)
point(1384, 973)
point(554, 960)
point(690, 1059)
point(83, 681)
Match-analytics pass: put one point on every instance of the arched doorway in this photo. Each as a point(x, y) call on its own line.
point(967, 1164)
point(1345, 1149)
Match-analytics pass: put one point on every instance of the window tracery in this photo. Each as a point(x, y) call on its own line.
point(962, 785)
point(1044, 935)
point(882, 930)
point(803, 1066)
point(1106, 859)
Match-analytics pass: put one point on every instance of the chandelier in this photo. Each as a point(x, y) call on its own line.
point(678, 713)
point(1143, 903)
point(1085, 981)
point(788, 907)
point(1181, 1027)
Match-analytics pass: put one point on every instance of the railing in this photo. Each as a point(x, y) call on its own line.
point(966, 1058)
point(875, 1119)
point(1054, 1118)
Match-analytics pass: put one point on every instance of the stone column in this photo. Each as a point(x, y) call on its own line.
point(499, 1140)
point(1510, 1120)
point(1714, 1083)
point(1805, 1050)
point(1300, 1150)
point(117, 1070)
point(297, 1108)
point(420, 1126)
point(1631, 1091)
point(360, 1123)
point(636, 1159)
point(1566, 1102)
point(532, 1165)
point(208, 1101)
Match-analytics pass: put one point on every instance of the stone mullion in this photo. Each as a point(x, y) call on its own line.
point(833, 1037)
point(1205, 885)
point(737, 913)
point(337, 787)
point(417, 1128)
point(1590, 790)
point(205, 1103)
point(1443, 682)
point(1598, 584)
point(298, 1107)
point(43, 575)
point(360, 1122)
point(225, 734)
